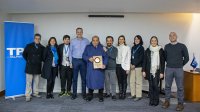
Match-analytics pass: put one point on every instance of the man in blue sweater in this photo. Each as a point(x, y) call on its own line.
point(176, 55)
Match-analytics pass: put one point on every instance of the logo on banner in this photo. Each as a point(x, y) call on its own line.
point(15, 52)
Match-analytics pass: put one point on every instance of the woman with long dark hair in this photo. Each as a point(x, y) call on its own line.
point(50, 67)
point(137, 55)
point(153, 69)
point(123, 65)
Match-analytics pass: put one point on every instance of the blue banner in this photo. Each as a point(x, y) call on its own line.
point(17, 35)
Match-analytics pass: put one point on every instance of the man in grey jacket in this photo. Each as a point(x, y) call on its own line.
point(110, 72)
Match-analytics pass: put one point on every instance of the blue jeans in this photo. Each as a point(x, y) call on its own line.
point(170, 74)
point(79, 65)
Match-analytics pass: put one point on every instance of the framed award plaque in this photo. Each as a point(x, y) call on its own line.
point(97, 63)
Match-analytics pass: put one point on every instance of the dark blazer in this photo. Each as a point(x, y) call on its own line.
point(33, 57)
point(147, 63)
point(138, 56)
point(60, 53)
point(48, 58)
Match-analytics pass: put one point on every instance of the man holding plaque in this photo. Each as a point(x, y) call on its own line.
point(96, 59)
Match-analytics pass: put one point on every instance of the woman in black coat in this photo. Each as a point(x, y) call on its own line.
point(50, 67)
point(153, 69)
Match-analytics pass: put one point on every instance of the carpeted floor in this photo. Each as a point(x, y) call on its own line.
point(65, 104)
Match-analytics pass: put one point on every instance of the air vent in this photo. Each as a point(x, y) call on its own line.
point(106, 16)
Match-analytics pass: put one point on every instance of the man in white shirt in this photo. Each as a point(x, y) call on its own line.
point(65, 67)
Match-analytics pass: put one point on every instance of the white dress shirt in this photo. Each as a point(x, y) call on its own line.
point(65, 60)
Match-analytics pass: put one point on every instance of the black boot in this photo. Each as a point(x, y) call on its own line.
point(124, 91)
point(90, 95)
point(48, 96)
point(120, 92)
point(101, 95)
point(124, 95)
point(156, 102)
point(151, 99)
point(151, 102)
point(52, 97)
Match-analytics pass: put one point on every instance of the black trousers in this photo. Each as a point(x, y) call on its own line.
point(154, 88)
point(51, 80)
point(66, 76)
point(122, 79)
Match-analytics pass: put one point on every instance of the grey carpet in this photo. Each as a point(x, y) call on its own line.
point(65, 104)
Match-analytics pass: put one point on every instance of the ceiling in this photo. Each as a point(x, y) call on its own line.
point(136, 6)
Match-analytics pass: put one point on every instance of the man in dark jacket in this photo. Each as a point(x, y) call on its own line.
point(65, 67)
point(33, 56)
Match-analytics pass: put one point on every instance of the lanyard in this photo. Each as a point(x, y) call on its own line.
point(110, 49)
point(134, 51)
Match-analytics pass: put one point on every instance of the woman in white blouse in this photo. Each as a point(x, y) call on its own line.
point(123, 65)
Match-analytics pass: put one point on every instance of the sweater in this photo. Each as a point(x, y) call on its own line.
point(176, 55)
point(112, 54)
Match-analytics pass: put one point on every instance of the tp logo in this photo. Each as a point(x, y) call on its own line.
point(15, 52)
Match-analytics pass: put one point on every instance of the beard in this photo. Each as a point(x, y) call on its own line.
point(109, 44)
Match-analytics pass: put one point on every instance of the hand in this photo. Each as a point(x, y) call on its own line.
point(127, 72)
point(161, 76)
point(103, 66)
point(91, 59)
point(132, 67)
point(144, 74)
point(105, 49)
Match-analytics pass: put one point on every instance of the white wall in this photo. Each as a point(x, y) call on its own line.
point(3, 17)
point(146, 25)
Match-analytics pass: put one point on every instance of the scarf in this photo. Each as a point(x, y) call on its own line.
point(155, 59)
point(55, 54)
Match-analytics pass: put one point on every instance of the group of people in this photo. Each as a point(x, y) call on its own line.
point(78, 55)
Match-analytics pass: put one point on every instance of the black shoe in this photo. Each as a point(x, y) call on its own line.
point(48, 96)
point(123, 96)
point(51, 96)
point(106, 95)
point(151, 103)
point(131, 97)
point(114, 98)
point(84, 96)
point(74, 97)
point(101, 99)
point(156, 102)
point(137, 98)
point(89, 98)
point(120, 96)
